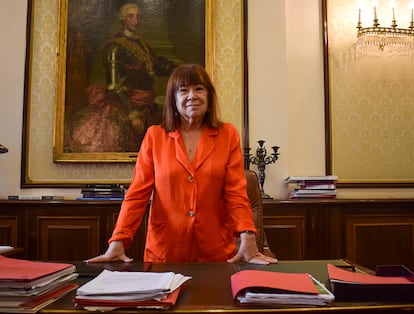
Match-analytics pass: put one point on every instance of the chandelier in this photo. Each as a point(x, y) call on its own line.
point(377, 40)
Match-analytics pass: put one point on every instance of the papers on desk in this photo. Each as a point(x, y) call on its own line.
point(114, 289)
point(27, 286)
point(5, 249)
point(257, 287)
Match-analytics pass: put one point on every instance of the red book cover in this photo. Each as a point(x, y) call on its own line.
point(35, 304)
point(250, 279)
point(336, 273)
point(50, 297)
point(384, 287)
point(166, 303)
point(18, 272)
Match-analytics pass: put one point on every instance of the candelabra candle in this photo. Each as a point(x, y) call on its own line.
point(359, 25)
point(412, 14)
point(261, 160)
point(394, 21)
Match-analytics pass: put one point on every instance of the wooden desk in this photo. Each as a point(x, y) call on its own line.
point(209, 289)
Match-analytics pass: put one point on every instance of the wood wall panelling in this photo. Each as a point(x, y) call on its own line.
point(8, 230)
point(286, 236)
point(368, 232)
point(385, 238)
point(68, 238)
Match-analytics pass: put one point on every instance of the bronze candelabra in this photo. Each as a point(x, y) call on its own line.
point(261, 160)
point(3, 149)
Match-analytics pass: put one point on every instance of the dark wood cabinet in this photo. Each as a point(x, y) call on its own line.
point(366, 232)
point(313, 228)
point(285, 231)
point(62, 230)
point(65, 238)
point(12, 227)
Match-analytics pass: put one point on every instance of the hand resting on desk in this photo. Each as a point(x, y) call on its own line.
point(247, 252)
point(115, 252)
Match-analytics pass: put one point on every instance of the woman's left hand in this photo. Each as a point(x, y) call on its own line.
point(249, 253)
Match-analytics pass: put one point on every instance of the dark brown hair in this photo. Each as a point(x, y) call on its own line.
point(189, 74)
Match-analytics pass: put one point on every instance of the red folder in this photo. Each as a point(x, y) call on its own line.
point(336, 273)
point(166, 303)
point(19, 273)
point(42, 301)
point(294, 282)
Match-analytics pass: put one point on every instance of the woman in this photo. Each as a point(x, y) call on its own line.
point(192, 166)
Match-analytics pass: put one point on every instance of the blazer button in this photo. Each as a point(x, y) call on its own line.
point(191, 213)
point(190, 179)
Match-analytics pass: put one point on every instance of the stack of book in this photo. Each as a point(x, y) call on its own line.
point(28, 286)
point(391, 283)
point(312, 186)
point(267, 288)
point(116, 289)
point(102, 192)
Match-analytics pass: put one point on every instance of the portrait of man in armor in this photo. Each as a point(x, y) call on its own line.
point(119, 57)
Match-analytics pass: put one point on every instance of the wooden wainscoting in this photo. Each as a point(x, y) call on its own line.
point(385, 238)
point(367, 232)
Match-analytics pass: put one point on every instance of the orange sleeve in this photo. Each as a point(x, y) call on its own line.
point(136, 200)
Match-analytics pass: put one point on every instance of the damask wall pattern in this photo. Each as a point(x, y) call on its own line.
point(227, 75)
point(371, 99)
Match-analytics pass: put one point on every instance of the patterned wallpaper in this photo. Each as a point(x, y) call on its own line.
point(227, 74)
point(372, 100)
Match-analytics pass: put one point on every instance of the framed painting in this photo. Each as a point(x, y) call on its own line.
point(369, 99)
point(114, 59)
point(46, 162)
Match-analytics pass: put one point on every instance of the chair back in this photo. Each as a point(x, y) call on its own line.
point(253, 192)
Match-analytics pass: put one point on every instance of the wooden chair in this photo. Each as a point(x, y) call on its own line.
point(253, 192)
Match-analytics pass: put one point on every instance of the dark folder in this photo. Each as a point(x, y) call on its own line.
point(391, 283)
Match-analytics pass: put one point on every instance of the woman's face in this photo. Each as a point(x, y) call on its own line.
point(192, 102)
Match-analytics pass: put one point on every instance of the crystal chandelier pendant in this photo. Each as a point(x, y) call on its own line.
point(392, 41)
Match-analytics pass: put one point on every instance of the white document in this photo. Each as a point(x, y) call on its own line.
point(115, 282)
point(5, 248)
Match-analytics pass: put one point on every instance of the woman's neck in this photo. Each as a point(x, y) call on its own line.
point(191, 126)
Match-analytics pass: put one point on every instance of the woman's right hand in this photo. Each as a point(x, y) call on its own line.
point(115, 252)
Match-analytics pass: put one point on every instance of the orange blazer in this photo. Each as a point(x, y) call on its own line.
point(197, 208)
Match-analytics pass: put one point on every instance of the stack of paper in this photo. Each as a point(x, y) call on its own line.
point(27, 286)
point(268, 288)
point(113, 289)
point(5, 249)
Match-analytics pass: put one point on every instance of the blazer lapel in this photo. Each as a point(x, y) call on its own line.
point(205, 146)
point(180, 153)
point(204, 149)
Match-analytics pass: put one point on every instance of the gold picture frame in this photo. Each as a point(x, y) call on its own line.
point(225, 32)
point(196, 40)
